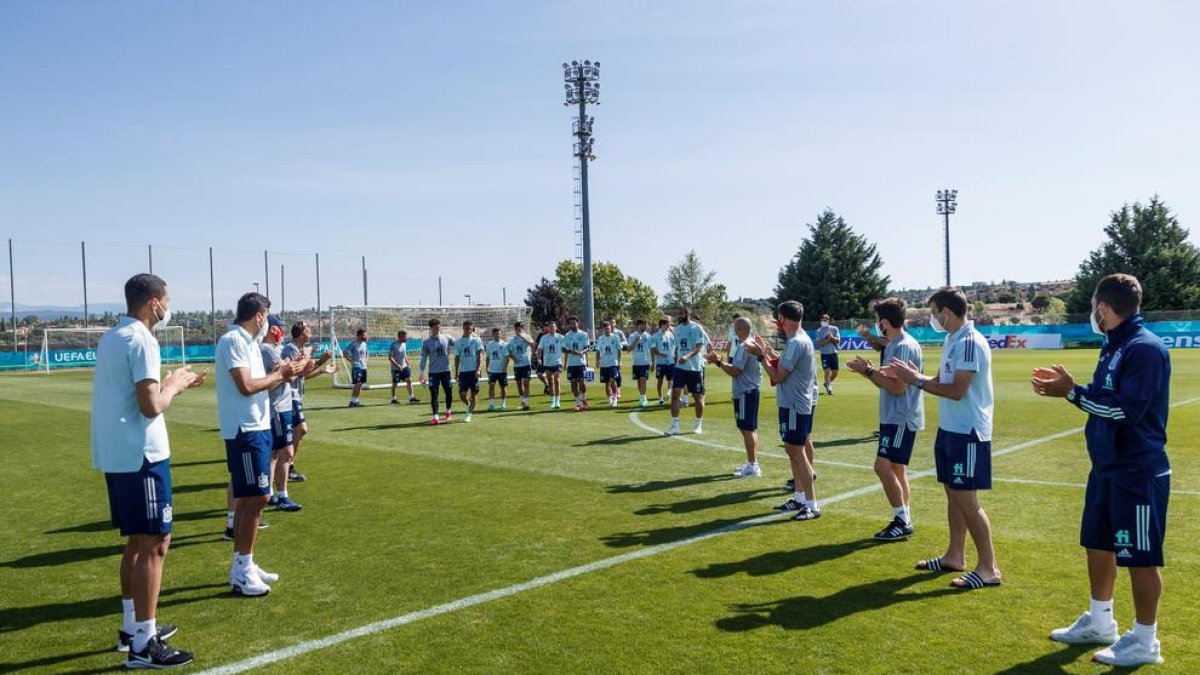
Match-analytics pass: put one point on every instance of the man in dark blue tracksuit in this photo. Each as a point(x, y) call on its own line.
point(1125, 510)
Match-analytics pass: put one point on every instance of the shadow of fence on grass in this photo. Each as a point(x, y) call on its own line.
point(20, 618)
point(656, 485)
point(67, 556)
point(106, 525)
point(713, 502)
point(777, 562)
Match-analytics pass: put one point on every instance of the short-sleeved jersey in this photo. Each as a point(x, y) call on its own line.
point(907, 408)
point(829, 331)
point(497, 353)
point(608, 347)
point(687, 337)
point(578, 341)
point(663, 346)
point(435, 351)
point(281, 396)
point(967, 350)
point(398, 352)
point(518, 350)
point(235, 412)
point(468, 349)
point(551, 347)
point(357, 352)
point(798, 389)
point(640, 344)
point(121, 435)
point(291, 352)
point(751, 376)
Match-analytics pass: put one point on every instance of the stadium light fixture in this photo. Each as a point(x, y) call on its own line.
point(581, 86)
point(947, 203)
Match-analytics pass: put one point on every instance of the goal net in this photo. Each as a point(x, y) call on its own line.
point(382, 323)
point(76, 347)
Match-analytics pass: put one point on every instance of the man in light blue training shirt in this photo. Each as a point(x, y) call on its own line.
point(641, 343)
point(663, 350)
point(608, 361)
point(356, 352)
point(468, 357)
point(550, 353)
point(520, 347)
point(743, 367)
point(829, 341)
point(497, 368)
point(690, 343)
point(575, 346)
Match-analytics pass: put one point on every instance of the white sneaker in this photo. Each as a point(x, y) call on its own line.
point(1084, 632)
point(247, 582)
point(748, 470)
point(673, 430)
point(1129, 651)
point(269, 577)
point(684, 401)
point(699, 428)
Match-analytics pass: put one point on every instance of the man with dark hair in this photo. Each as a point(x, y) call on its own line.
point(468, 359)
point(497, 369)
point(283, 428)
point(743, 367)
point(901, 415)
point(690, 344)
point(640, 344)
point(294, 351)
point(829, 341)
point(1125, 507)
point(520, 348)
point(130, 445)
point(608, 361)
point(963, 448)
point(356, 353)
point(550, 349)
point(435, 351)
point(401, 372)
point(795, 382)
point(576, 344)
point(663, 348)
point(243, 409)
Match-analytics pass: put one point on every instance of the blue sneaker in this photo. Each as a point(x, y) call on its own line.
point(286, 504)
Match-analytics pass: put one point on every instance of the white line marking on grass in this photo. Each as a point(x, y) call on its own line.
point(482, 598)
point(1080, 486)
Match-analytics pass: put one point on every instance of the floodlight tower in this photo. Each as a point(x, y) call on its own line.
point(947, 203)
point(582, 86)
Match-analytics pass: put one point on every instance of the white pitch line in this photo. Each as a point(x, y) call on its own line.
point(1080, 486)
point(482, 598)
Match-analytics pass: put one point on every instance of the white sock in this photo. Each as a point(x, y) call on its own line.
point(674, 421)
point(800, 498)
point(127, 611)
point(1101, 612)
point(229, 519)
point(1145, 634)
point(898, 512)
point(242, 561)
point(812, 504)
point(908, 514)
point(142, 632)
point(283, 494)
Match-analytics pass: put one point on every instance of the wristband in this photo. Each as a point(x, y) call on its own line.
point(921, 382)
point(869, 372)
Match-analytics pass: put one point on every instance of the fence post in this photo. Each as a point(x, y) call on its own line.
point(83, 258)
point(267, 275)
point(320, 325)
point(212, 297)
point(12, 293)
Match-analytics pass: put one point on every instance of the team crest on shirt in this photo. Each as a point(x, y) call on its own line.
point(263, 481)
point(167, 514)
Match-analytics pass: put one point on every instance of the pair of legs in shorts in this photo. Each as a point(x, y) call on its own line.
point(964, 466)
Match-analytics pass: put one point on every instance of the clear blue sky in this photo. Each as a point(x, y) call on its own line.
point(432, 138)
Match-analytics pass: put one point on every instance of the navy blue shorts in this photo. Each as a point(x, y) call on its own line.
point(576, 372)
point(610, 373)
point(297, 413)
point(641, 372)
point(551, 369)
point(468, 380)
point(282, 430)
point(665, 370)
point(248, 458)
point(358, 375)
point(140, 501)
point(441, 379)
point(745, 410)
point(401, 375)
point(1128, 516)
point(692, 380)
point(896, 443)
point(499, 378)
point(963, 461)
point(794, 426)
point(521, 372)
point(829, 361)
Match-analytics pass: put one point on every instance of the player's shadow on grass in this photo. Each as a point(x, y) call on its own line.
point(839, 442)
point(106, 525)
point(777, 562)
point(657, 485)
point(618, 440)
point(199, 487)
point(14, 619)
point(385, 427)
point(667, 535)
point(701, 503)
point(804, 612)
point(199, 462)
point(56, 659)
point(1056, 661)
point(72, 555)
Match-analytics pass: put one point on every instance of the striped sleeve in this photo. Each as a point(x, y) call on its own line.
point(968, 357)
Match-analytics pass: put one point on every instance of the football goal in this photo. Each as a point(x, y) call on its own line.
point(382, 323)
point(76, 347)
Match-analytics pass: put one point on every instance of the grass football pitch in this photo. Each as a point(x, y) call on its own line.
point(562, 542)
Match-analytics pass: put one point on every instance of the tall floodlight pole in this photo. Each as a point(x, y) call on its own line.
point(947, 203)
point(582, 85)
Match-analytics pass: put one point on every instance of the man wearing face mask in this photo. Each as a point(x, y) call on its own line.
point(356, 353)
point(963, 447)
point(1125, 507)
point(129, 444)
point(283, 430)
point(244, 411)
point(829, 340)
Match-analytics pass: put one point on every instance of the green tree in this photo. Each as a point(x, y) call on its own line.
point(1149, 243)
point(1056, 310)
point(546, 302)
point(615, 294)
point(835, 272)
point(692, 286)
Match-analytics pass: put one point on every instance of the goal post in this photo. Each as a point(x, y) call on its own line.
point(383, 322)
point(76, 347)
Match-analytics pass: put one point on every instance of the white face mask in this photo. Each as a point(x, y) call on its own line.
point(162, 321)
point(262, 332)
point(1096, 322)
point(880, 327)
point(824, 324)
point(935, 323)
